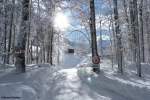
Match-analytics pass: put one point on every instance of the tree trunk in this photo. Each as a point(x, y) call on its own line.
point(133, 36)
point(135, 32)
point(13, 44)
point(37, 54)
point(147, 20)
point(51, 47)
point(28, 35)
point(10, 31)
point(141, 31)
point(21, 39)
point(128, 32)
point(119, 53)
point(5, 29)
point(101, 40)
point(93, 36)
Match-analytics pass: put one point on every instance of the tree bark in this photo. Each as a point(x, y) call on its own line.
point(10, 31)
point(93, 35)
point(21, 39)
point(28, 35)
point(141, 31)
point(13, 44)
point(147, 20)
point(5, 29)
point(101, 40)
point(133, 36)
point(119, 53)
point(135, 32)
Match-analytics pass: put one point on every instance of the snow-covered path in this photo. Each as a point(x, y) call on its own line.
point(76, 86)
point(72, 88)
point(71, 60)
point(75, 83)
point(79, 83)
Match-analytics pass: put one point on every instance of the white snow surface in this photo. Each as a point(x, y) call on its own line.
point(45, 82)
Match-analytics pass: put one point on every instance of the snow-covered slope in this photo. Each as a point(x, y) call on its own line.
point(32, 85)
point(114, 86)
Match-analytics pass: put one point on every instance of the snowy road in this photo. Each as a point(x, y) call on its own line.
point(81, 84)
point(74, 83)
point(72, 88)
point(71, 60)
point(76, 86)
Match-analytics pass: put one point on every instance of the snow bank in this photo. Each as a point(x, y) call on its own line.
point(111, 84)
point(32, 85)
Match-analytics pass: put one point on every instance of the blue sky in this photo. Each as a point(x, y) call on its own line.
point(101, 8)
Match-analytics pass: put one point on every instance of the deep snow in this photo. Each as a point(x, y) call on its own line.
point(77, 82)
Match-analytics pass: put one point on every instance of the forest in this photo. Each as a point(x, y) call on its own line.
point(75, 49)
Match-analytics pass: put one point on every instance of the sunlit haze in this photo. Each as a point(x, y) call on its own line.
point(61, 21)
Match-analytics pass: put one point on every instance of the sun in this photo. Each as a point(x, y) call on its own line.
point(61, 21)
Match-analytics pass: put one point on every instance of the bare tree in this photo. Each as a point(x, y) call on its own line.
point(5, 29)
point(93, 36)
point(21, 39)
point(119, 53)
point(141, 31)
point(11, 30)
point(135, 35)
